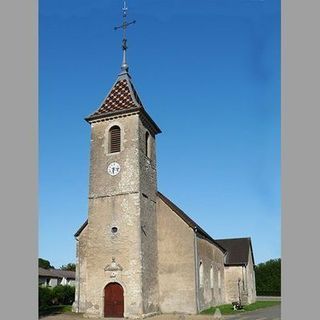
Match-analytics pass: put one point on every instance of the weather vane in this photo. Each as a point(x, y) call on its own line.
point(125, 24)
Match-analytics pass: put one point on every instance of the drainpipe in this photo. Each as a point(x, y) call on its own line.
point(196, 268)
point(245, 280)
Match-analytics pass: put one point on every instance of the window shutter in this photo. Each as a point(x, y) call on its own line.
point(114, 139)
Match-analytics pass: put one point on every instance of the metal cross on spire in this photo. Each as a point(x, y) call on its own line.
point(125, 24)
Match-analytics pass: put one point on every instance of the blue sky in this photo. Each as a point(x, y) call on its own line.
point(208, 72)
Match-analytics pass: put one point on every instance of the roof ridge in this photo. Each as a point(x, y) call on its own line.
point(135, 93)
point(248, 238)
point(56, 272)
point(81, 228)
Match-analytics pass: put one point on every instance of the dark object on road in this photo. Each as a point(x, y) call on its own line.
point(237, 305)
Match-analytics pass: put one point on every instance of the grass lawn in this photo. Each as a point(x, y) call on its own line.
point(46, 311)
point(228, 308)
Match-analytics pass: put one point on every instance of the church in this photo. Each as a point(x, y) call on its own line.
point(138, 254)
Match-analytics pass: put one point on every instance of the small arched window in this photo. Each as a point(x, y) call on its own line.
point(211, 277)
point(147, 148)
point(114, 139)
point(201, 279)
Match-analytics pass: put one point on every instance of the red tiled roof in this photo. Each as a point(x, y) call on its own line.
point(122, 96)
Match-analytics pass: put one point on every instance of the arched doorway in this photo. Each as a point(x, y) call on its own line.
point(113, 300)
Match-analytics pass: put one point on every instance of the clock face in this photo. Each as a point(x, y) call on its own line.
point(114, 168)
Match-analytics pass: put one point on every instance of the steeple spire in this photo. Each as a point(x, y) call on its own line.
point(125, 24)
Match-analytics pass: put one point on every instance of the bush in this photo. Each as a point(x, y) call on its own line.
point(45, 296)
point(63, 294)
point(59, 295)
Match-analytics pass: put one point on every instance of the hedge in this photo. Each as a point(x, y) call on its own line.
point(59, 295)
point(269, 293)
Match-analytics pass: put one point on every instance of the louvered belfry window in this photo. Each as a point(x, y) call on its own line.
point(114, 139)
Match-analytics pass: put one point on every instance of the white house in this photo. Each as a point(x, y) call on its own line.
point(54, 277)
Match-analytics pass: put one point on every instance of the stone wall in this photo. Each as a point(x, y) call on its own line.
point(81, 273)
point(232, 274)
point(176, 262)
point(251, 280)
point(148, 222)
point(211, 289)
point(123, 212)
point(117, 201)
point(247, 282)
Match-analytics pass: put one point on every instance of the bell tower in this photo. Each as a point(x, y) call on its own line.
point(117, 253)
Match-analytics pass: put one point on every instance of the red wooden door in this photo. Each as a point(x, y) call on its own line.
point(113, 301)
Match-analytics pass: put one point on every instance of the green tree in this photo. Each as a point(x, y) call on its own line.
point(69, 266)
point(268, 277)
point(42, 263)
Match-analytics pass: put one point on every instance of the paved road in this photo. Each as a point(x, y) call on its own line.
point(270, 313)
point(266, 298)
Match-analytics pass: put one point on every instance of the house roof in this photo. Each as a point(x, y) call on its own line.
point(189, 221)
point(57, 273)
point(237, 250)
point(81, 228)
